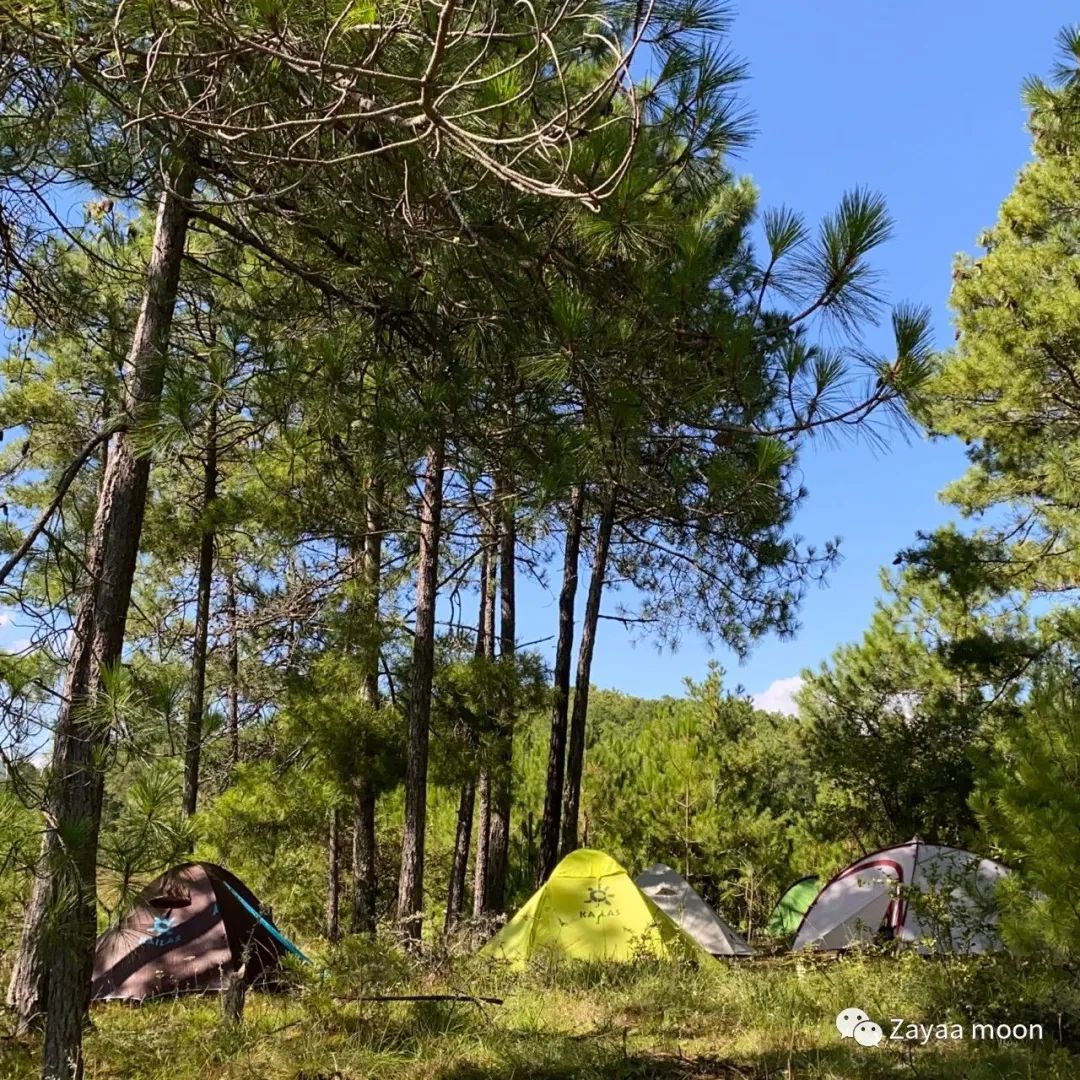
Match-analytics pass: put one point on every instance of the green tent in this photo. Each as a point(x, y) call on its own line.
point(590, 909)
point(792, 906)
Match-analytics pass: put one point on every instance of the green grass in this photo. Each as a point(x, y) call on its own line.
point(758, 1020)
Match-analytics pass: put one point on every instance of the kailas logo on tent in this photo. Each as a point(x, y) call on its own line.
point(855, 1024)
point(162, 932)
point(598, 904)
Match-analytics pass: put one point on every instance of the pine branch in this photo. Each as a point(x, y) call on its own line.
point(66, 480)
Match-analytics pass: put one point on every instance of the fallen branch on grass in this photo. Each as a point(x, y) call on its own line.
point(284, 1027)
point(428, 997)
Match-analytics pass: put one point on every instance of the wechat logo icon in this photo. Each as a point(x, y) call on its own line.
point(855, 1024)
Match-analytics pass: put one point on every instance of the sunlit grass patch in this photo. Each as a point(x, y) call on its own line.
point(668, 1022)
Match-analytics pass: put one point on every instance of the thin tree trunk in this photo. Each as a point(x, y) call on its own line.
point(57, 948)
point(575, 755)
point(333, 877)
point(487, 601)
point(462, 838)
point(455, 897)
point(196, 700)
point(233, 720)
point(364, 890)
point(411, 880)
point(373, 539)
point(490, 585)
point(556, 769)
point(482, 862)
point(233, 996)
point(364, 882)
point(502, 790)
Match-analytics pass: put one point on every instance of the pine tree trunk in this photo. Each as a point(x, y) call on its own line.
point(196, 700)
point(411, 880)
point(57, 949)
point(233, 996)
point(455, 899)
point(26, 988)
point(487, 601)
point(502, 790)
point(373, 539)
point(491, 582)
point(556, 769)
point(233, 720)
point(364, 885)
point(365, 892)
point(575, 754)
point(482, 861)
point(333, 882)
point(455, 896)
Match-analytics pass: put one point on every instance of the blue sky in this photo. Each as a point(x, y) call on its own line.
point(920, 100)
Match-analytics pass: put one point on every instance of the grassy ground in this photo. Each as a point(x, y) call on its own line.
point(752, 1021)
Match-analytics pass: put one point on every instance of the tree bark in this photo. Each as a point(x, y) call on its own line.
point(364, 885)
point(483, 785)
point(233, 995)
point(455, 899)
point(491, 570)
point(233, 720)
point(364, 795)
point(333, 882)
point(411, 880)
point(575, 754)
point(482, 861)
point(556, 769)
point(57, 948)
point(373, 539)
point(483, 632)
point(502, 790)
point(196, 700)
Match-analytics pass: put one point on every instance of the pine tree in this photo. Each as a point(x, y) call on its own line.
point(1028, 800)
point(1009, 387)
point(894, 723)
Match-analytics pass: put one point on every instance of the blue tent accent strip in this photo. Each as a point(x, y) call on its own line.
point(267, 925)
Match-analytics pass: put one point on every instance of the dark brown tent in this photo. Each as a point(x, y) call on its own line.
point(188, 931)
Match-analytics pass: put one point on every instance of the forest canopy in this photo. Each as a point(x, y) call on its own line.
point(332, 329)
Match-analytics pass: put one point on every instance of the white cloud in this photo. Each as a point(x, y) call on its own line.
point(780, 696)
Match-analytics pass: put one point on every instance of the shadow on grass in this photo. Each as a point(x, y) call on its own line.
point(818, 1064)
point(633, 1067)
point(438, 1041)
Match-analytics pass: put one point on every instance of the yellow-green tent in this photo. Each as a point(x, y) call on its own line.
point(590, 909)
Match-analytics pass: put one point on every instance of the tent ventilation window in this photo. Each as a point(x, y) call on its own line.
point(168, 901)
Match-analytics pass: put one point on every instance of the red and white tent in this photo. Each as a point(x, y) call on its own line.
point(941, 899)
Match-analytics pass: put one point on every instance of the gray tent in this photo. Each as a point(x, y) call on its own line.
point(676, 898)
